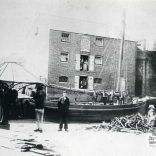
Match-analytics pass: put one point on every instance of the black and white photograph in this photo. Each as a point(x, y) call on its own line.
point(77, 77)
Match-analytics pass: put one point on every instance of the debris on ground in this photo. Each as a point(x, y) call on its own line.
point(30, 144)
point(39, 147)
point(136, 123)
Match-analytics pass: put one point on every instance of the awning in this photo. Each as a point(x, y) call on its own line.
point(14, 72)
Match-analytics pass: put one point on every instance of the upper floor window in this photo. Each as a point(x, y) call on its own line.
point(98, 60)
point(64, 57)
point(85, 43)
point(99, 41)
point(63, 79)
point(97, 80)
point(65, 37)
point(84, 65)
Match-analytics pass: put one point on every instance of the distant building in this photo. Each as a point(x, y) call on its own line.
point(154, 45)
point(89, 62)
point(146, 73)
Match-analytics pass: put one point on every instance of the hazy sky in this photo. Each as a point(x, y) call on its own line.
point(25, 24)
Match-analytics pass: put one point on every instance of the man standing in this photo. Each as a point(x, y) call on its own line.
point(104, 97)
point(4, 97)
point(63, 107)
point(39, 98)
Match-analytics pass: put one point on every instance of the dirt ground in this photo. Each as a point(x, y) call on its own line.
point(76, 142)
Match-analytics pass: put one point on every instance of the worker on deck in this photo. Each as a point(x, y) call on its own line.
point(104, 98)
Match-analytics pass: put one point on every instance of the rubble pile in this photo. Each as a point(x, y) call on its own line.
point(131, 123)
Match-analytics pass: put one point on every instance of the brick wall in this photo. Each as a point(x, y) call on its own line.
point(106, 71)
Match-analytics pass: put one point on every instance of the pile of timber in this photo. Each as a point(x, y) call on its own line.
point(136, 123)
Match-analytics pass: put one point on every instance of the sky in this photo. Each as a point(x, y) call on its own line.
point(25, 24)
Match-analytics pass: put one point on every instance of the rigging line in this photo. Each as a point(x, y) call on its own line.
point(127, 62)
point(29, 72)
point(12, 72)
point(114, 70)
point(106, 58)
point(2, 64)
point(4, 69)
point(110, 73)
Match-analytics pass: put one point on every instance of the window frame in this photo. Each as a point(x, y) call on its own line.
point(65, 40)
point(64, 53)
point(102, 41)
point(96, 82)
point(63, 81)
point(98, 56)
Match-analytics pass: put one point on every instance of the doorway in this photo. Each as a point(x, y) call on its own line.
point(83, 82)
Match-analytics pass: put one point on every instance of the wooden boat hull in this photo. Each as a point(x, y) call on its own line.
point(94, 113)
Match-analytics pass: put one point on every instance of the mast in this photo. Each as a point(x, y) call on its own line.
point(121, 51)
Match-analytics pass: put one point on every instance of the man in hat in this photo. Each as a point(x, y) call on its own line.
point(63, 107)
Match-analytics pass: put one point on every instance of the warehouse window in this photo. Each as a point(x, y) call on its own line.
point(84, 63)
point(64, 57)
point(98, 60)
point(65, 37)
point(63, 79)
point(83, 82)
point(97, 80)
point(99, 41)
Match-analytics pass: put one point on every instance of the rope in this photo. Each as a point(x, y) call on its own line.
point(4, 69)
point(106, 58)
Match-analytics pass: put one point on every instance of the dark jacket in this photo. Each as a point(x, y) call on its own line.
point(39, 98)
point(63, 105)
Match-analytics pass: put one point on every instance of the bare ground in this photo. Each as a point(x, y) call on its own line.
point(76, 142)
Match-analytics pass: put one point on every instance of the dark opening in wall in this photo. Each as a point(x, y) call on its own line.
point(83, 84)
point(98, 80)
point(63, 79)
point(84, 59)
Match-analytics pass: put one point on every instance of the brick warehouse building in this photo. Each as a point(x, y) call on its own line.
point(83, 61)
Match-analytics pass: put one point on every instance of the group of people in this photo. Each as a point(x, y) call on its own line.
point(112, 97)
point(8, 100)
point(83, 84)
